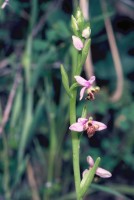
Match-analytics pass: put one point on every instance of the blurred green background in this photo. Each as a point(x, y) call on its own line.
point(35, 144)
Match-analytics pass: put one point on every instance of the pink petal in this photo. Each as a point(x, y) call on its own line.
point(90, 161)
point(82, 120)
point(78, 44)
point(77, 127)
point(82, 81)
point(100, 125)
point(4, 5)
point(82, 92)
point(103, 173)
point(91, 80)
point(84, 172)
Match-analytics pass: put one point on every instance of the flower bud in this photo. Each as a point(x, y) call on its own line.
point(78, 44)
point(74, 25)
point(86, 32)
point(78, 13)
point(79, 19)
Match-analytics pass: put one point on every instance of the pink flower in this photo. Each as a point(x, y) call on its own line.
point(87, 84)
point(100, 171)
point(78, 44)
point(89, 125)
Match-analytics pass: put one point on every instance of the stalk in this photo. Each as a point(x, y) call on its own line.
point(75, 145)
point(75, 137)
point(6, 181)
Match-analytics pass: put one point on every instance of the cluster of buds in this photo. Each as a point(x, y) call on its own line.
point(81, 30)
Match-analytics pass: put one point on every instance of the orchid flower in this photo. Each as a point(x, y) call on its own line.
point(87, 85)
point(77, 42)
point(89, 125)
point(100, 171)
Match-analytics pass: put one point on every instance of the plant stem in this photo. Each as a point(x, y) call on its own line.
point(75, 145)
point(75, 5)
point(52, 148)
point(52, 154)
point(6, 170)
point(75, 137)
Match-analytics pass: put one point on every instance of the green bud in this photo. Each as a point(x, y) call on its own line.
point(74, 25)
point(79, 19)
point(78, 14)
point(84, 112)
point(65, 80)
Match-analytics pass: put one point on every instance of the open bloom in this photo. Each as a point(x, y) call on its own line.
point(87, 85)
point(89, 125)
point(100, 171)
point(78, 44)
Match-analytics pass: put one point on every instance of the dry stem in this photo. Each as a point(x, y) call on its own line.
point(9, 104)
point(115, 54)
point(89, 68)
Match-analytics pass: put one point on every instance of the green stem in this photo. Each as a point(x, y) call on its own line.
point(75, 135)
point(6, 170)
point(52, 148)
point(75, 145)
point(75, 5)
point(52, 153)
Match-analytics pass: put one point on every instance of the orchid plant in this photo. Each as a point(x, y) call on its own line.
point(81, 42)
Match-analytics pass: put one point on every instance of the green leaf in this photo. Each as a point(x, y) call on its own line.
point(17, 106)
point(74, 25)
point(84, 55)
point(65, 80)
point(73, 86)
point(111, 190)
point(40, 45)
point(85, 50)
